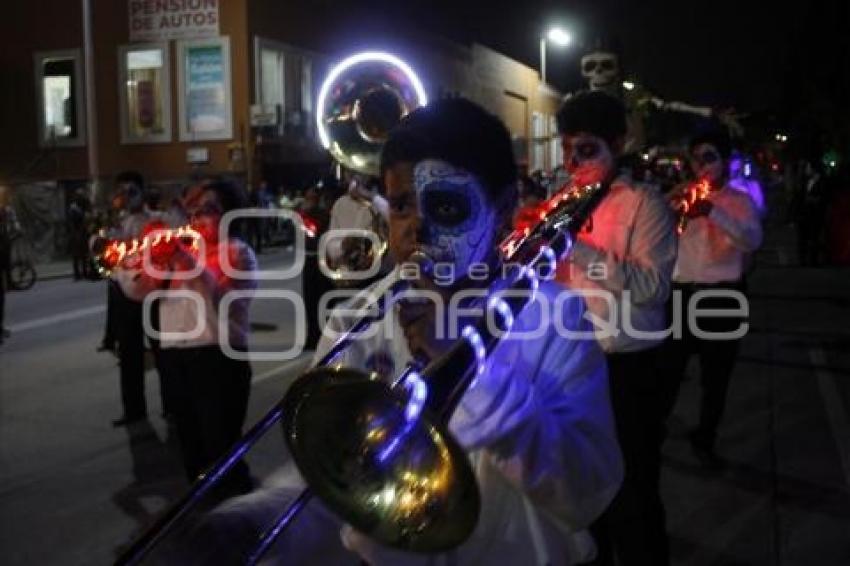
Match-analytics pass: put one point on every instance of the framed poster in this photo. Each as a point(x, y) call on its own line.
point(205, 89)
point(144, 84)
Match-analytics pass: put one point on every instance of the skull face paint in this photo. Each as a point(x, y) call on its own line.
point(707, 163)
point(458, 222)
point(601, 69)
point(588, 158)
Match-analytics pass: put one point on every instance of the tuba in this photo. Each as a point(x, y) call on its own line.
point(362, 99)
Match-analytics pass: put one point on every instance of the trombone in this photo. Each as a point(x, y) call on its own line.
point(395, 472)
point(379, 456)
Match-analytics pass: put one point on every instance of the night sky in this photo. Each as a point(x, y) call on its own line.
point(755, 56)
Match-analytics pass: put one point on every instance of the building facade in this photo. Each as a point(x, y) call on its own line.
point(180, 88)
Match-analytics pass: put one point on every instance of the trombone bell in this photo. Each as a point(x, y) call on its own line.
point(397, 477)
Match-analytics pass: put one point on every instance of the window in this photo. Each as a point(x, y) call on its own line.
point(145, 87)
point(556, 156)
point(306, 85)
point(284, 76)
point(538, 141)
point(59, 88)
point(272, 77)
point(205, 90)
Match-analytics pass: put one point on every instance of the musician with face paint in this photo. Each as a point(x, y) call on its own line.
point(722, 230)
point(537, 422)
point(622, 260)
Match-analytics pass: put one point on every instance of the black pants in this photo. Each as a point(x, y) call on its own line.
point(113, 296)
point(632, 530)
point(716, 358)
point(2, 300)
point(315, 285)
point(131, 354)
point(209, 398)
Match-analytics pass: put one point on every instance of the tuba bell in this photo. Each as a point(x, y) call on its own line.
point(361, 100)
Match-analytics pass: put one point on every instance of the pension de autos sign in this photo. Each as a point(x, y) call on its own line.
point(157, 20)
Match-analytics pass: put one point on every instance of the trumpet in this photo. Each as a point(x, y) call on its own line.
point(683, 199)
point(112, 254)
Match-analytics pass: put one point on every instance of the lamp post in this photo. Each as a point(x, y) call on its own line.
point(557, 36)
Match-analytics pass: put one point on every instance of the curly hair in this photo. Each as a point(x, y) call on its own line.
point(462, 133)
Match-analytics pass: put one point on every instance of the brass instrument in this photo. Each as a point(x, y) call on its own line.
point(362, 99)
point(111, 254)
point(683, 199)
point(380, 455)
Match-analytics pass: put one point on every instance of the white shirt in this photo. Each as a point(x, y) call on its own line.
point(349, 213)
point(713, 249)
point(540, 433)
point(186, 322)
point(629, 244)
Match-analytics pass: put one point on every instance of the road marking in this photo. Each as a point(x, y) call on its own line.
point(834, 408)
point(51, 320)
point(302, 360)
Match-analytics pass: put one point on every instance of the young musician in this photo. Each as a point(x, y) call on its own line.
point(622, 261)
point(721, 231)
point(208, 388)
point(123, 314)
point(537, 424)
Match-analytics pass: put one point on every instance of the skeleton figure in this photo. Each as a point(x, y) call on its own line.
point(601, 69)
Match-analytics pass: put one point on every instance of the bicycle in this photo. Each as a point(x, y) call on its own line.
point(21, 274)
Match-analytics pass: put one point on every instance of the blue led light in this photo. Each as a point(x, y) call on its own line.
point(474, 338)
point(568, 246)
point(418, 390)
point(499, 305)
point(531, 274)
point(549, 253)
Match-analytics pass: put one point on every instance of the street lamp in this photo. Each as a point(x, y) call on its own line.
point(557, 36)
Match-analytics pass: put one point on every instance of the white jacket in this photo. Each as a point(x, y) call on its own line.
point(540, 432)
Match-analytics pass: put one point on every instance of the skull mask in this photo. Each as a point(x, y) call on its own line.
point(601, 69)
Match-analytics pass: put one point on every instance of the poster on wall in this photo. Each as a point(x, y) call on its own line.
point(157, 20)
point(206, 97)
point(146, 96)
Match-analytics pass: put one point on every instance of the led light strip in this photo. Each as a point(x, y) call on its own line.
point(347, 63)
point(499, 305)
point(474, 338)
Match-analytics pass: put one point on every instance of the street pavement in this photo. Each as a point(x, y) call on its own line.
point(73, 490)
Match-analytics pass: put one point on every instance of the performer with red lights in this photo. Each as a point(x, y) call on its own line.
point(123, 314)
point(208, 388)
point(722, 227)
point(623, 260)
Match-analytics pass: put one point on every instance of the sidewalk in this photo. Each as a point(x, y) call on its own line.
point(784, 498)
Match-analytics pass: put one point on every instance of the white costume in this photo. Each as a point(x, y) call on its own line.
point(540, 434)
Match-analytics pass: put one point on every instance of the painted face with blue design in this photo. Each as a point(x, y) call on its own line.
point(443, 211)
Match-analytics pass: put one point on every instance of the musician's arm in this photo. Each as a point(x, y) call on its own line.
point(674, 106)
point(545, 419)
point(135, 283)
point(645, 271)
point(739, 220)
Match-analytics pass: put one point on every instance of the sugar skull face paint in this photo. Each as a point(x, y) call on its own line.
point(458, 222)
point(707, 163)
point(588, 158)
